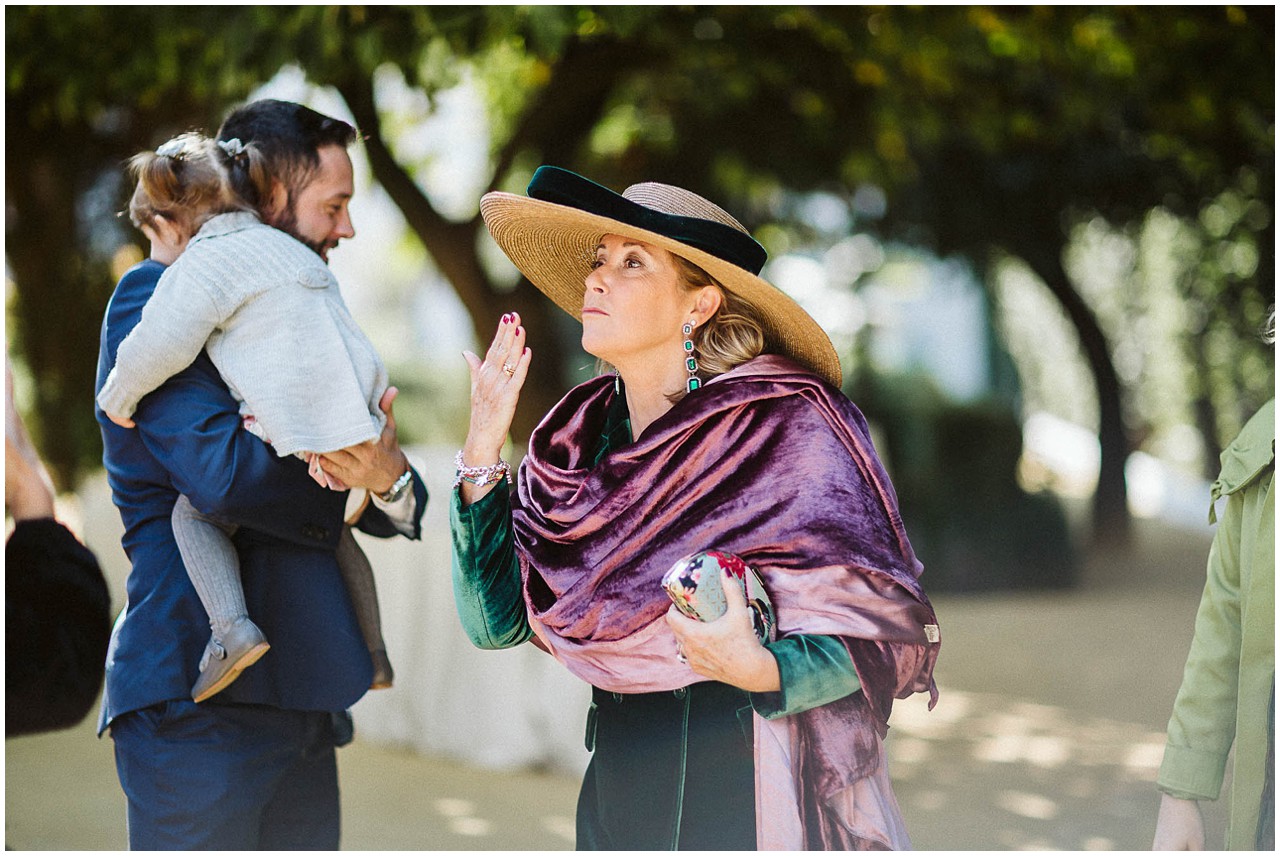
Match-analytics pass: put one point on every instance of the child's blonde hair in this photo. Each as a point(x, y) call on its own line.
point(190, 179)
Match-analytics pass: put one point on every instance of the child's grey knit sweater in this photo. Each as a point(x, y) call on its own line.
point(269, 312)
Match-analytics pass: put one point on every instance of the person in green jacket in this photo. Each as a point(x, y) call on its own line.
point(1228, 688)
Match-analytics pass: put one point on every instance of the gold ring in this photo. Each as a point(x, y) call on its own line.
point(509, 369)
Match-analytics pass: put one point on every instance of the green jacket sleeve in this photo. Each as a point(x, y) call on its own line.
point(486, 573)
point(814, 670)
point(1230, 669)
point(1203, 724)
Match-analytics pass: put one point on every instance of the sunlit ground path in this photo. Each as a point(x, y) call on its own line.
point(1048, 736)
point(989, 773)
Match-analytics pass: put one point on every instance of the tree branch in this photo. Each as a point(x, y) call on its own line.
point(565, 111)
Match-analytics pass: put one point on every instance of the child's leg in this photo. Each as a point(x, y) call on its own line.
point(214, 568)
point(358, 575)
point(212, 564)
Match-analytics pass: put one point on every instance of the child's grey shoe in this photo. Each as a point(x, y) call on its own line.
point(225, 659)
point(383, 676)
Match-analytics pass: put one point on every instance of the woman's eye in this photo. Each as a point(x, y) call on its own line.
point(595, 263)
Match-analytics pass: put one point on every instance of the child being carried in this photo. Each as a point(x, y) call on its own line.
point(269, 312)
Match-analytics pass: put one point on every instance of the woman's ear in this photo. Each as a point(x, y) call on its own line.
point(707, 303)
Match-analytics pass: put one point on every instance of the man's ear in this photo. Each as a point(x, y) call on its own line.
point(278, 202)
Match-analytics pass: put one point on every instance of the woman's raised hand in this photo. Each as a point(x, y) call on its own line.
point(496, 382)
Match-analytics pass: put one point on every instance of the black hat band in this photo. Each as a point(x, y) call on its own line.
point(561, 187)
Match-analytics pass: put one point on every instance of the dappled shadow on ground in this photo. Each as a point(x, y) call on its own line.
point(987, 772)
point(1048, 735)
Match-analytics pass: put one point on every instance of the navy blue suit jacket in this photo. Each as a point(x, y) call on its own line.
point(189, 440)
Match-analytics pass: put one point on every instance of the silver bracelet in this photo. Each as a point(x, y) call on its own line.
point(481, 476)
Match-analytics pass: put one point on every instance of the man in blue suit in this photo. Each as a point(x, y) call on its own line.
point(254, 768)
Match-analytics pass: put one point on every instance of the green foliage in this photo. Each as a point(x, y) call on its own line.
point(989, 129)
point(81, 97)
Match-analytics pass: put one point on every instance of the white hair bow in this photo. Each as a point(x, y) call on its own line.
point(171, 149)
point(233, 147)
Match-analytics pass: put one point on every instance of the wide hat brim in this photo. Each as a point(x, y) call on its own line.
point(554, 244)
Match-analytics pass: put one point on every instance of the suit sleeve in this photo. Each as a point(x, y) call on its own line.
point(382, 521)
point(191, 424)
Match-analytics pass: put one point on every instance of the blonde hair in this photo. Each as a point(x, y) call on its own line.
point(731, 336)
point(191, 179)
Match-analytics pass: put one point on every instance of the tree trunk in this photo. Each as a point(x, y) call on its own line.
point(453, 246)
point(554, 126)
point(1206, 419)
point(62, 269)
point(61, 294)
point(1111, 519)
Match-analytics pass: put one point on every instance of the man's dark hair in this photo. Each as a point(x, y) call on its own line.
point(290, 136)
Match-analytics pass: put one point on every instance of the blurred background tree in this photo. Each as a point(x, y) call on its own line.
point(1004, 136)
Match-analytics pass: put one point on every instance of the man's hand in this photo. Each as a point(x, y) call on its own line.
point(374, 465)
point(320, 477)
point(1179, 826)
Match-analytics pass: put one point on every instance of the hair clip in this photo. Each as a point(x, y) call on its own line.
point(171, 149)
point(233, 147)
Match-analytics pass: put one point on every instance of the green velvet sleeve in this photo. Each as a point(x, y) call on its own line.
point(486, 573)
point(814, 670)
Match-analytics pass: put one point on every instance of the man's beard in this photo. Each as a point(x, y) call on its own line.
point(287, 221)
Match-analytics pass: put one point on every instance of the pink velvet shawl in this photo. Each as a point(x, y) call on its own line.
point(775, 465)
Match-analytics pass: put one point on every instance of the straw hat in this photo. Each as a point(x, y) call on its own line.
point(551, 235)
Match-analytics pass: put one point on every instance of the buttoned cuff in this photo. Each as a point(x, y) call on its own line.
point(1191, 774)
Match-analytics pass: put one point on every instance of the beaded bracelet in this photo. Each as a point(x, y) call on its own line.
point(481, 476)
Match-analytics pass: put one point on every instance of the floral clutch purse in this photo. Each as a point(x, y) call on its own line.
point(695, 587)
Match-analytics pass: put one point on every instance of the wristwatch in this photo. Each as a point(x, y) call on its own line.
point(398, 487)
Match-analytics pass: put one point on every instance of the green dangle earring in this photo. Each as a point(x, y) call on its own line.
point(689, 362)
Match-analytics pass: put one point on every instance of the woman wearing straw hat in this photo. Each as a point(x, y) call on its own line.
point(722, 427)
